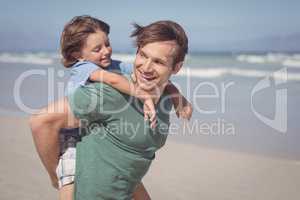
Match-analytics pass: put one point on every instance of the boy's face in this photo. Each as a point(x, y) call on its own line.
point(154, 64)
point(97, 49)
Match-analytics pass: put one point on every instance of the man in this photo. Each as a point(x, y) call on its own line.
point(118, 145)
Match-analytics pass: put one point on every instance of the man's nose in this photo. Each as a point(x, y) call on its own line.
point(147, 67)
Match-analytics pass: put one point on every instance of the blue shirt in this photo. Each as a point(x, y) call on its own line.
point(81, 71)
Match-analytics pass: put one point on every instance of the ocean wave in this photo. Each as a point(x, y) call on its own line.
point(221, 72)
point(276, 58)
point(29, 58)
point(291, 63)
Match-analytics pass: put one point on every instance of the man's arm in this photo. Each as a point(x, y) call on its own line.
point(45, 128)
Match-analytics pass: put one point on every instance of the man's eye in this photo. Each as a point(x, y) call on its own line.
point(143, 55)
point(159, 62)
point(96, 50)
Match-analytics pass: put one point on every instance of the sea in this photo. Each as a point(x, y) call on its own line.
point(245, 102)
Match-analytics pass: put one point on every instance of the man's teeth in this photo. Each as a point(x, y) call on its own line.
point(148, 78)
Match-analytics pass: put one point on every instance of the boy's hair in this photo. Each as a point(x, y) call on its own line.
point(162, 31)
point(75, 34)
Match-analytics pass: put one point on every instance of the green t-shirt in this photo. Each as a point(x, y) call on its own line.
point(119, 144)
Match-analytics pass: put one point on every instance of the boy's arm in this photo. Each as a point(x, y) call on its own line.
point(122, 84)
point(45, 128)
point(117, 81)
point(182, 107)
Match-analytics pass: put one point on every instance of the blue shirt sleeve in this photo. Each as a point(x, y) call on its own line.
point(80, 74)
point(120, 67)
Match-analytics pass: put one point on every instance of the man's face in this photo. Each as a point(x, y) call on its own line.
point(154, 64)
point(97, 49)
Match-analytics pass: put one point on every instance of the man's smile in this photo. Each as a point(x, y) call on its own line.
point(146, 76)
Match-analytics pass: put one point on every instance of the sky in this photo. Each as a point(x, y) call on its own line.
point(210, 24)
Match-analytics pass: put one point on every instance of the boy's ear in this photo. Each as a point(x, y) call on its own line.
point(177, 67)
point(77, 55)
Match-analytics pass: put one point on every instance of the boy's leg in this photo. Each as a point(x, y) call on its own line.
point(66, 166)
point(66, 169)
point(66, 192)
point(141, 193)
point(66, 173)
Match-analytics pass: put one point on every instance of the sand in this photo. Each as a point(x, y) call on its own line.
point(180, 171)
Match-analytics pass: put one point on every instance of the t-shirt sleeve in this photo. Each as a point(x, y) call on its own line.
point(80, 74)
point(126, 68)
point(92, 102)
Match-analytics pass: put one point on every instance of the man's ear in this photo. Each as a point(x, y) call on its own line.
point(177, 67)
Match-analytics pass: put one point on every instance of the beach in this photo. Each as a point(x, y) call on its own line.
point(179, 171)
point(239, 68)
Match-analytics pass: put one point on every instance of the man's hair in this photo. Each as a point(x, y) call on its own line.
point(162, 31)
point(75, 34)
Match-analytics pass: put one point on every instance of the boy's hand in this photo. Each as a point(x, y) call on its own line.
point(149, 112)
point(184, 111)
point(183, 108)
